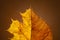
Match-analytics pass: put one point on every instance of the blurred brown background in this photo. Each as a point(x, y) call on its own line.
point(49, 10)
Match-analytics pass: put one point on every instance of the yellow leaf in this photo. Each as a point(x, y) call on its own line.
point(32, 28)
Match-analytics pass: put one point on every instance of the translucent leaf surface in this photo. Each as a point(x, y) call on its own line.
point(32, 28)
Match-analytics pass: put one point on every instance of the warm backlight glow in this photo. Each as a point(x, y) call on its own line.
point(32, 28)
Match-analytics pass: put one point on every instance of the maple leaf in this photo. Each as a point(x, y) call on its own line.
point(32, 28)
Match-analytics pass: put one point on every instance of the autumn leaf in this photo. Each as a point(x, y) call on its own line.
point(32, 27)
